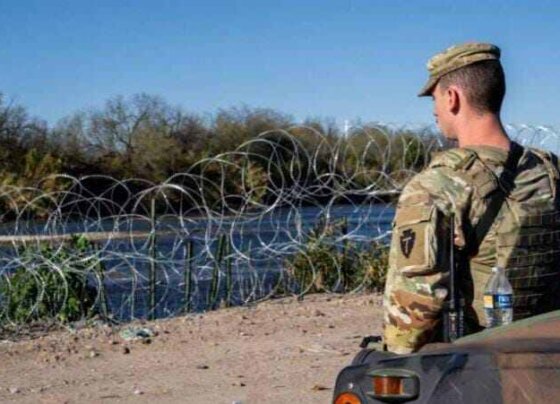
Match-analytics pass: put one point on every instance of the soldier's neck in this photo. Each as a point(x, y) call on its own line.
point(482, 130)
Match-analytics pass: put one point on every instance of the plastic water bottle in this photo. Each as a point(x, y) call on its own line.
point(498, 299)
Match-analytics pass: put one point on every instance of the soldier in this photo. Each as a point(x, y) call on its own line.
point(501, 198)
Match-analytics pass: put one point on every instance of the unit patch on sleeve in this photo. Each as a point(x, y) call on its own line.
point(407, 242)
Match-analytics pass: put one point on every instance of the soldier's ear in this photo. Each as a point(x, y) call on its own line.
point(453, 99)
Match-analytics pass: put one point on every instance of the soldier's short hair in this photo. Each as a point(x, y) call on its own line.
point(483, 82)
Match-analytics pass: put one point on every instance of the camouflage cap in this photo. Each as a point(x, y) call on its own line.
point(456, 57)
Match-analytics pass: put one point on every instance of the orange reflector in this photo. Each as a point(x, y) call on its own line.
point(388, 386)
point(348, 398)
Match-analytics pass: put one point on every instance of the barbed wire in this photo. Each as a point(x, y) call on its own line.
point(288, 212)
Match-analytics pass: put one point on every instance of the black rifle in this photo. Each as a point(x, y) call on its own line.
point(454, 306)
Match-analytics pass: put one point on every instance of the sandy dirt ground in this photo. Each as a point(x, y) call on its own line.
point(279, 351)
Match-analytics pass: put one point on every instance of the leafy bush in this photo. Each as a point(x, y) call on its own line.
point(51, 284)
point(374, 263)
point(330, 262)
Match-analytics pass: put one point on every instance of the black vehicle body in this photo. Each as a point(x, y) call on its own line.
point(517, 363)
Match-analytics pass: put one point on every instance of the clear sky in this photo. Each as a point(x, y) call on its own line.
point(344, 59)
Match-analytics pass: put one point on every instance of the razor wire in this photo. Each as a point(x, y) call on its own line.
point(288, 212)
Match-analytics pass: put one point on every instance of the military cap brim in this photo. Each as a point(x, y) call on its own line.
point(455, 58)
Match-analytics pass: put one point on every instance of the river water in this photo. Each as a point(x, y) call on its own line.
point(258, 245)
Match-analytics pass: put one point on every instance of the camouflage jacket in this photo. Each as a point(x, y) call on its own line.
point(523, 237)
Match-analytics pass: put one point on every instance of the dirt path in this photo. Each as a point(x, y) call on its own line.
point(281, 351)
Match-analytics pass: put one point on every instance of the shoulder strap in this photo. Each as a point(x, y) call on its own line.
point(456, 159)
point(506, 182)
point(550, 162)
point(461, 161)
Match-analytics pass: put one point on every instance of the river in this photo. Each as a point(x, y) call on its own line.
point(259, 244)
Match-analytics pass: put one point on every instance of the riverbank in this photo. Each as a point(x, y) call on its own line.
point(278, 351)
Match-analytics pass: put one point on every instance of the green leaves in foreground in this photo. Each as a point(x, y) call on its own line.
point(51, 284)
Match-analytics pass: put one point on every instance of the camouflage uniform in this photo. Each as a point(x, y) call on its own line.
point(524, 238)
point(462, 183)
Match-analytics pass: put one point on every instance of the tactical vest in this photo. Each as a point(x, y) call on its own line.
point(524, 236)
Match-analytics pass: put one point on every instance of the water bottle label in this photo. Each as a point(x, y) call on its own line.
point(503, 301)
point(488, 301)
point(498, 301)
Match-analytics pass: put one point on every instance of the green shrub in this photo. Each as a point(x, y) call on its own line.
point(373, 264)
point(323, 264)
point(51, 284)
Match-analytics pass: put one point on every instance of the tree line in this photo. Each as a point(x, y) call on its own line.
point(145, 137)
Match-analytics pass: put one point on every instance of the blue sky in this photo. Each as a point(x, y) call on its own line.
point(344, 59)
